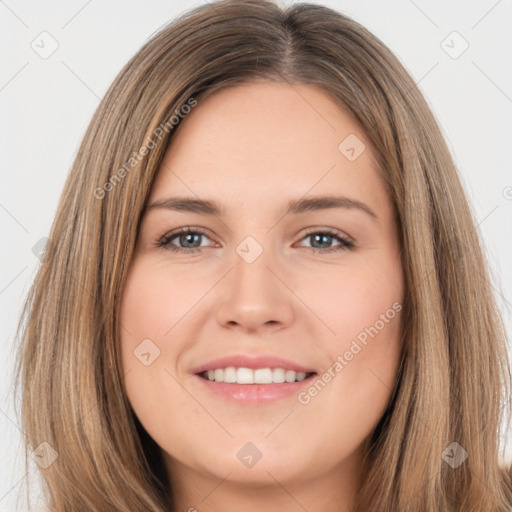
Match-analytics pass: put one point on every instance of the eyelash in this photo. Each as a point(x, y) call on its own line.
point(165, 241)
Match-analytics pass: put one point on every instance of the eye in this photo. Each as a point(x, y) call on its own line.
point(188, 238)
point(319, 239)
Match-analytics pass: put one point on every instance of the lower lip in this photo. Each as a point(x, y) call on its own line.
point(254, 393)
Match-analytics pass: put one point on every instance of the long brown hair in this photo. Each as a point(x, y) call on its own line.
point(454, 379)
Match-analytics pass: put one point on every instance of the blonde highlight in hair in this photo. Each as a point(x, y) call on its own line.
point(454, 379)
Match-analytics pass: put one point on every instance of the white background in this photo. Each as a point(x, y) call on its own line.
point(46, 105)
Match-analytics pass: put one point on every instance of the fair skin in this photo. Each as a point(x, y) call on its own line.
point(254, 148)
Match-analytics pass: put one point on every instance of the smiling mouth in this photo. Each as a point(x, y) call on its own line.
point(241, 375)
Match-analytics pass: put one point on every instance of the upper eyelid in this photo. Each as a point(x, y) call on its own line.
point(187, 229)
point(184, 231)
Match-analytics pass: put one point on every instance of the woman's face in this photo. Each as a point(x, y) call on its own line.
point(292, 263)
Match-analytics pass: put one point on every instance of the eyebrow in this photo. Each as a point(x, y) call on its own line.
point(210, 207)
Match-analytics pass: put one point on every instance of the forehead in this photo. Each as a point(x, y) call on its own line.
point(263, 140)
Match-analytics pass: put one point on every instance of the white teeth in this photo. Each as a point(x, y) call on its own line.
point(263, 376)
point(230, 374)
point(245, 376)
point(278, 375)
point(289, 376)
point(250, 376)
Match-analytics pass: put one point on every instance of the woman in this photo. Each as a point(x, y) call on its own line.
point(330, 344)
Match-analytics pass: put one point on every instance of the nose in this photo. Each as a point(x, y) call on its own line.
point(254, 296)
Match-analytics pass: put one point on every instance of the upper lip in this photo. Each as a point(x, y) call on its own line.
point(245, 361)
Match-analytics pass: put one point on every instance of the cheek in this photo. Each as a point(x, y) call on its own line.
point(156, 303)
point(155, 306)
point(350, 299)
point(362, 308)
